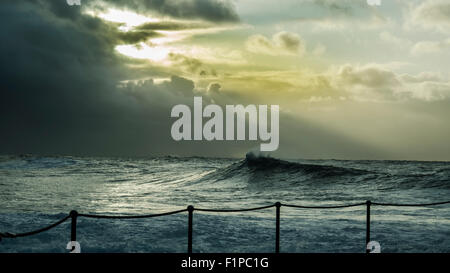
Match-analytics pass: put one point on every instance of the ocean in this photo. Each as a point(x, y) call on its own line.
point(36, 191)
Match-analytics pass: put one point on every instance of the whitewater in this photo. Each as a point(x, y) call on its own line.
point(36, 191)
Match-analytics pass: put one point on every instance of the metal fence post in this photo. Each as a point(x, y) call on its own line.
point(368, 203)
point(277, 227)
point(190, 216)
point(73, 229)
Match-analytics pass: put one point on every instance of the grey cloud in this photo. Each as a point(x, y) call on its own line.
point(214, 87)
point(211, 10)
point(370, 76)
point(189, 64)
point(281, 43)
point(337, 6)
point(259, 44)
point(132, 37)
point(181, 85)
point(325, 13)
point(422, 77)
point(433, 15)
point(64, 93)
point(433, 11)
point(375, 83)
point(289, 41)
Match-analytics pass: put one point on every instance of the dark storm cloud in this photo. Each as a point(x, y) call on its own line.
point(60, 91)
point(64, 91)
point(53, 69)
point(133, 37)
point(211, 10)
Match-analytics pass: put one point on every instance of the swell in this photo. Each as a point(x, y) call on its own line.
point(265, 167)
point(272, 170)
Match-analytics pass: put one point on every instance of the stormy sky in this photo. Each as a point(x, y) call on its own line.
point(353, 81)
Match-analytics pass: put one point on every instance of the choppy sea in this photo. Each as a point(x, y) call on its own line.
point(36, 191)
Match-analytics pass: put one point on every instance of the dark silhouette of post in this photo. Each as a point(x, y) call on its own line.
point(190, 211)
point(73, 227)
point(368, 203)
point(277, 227)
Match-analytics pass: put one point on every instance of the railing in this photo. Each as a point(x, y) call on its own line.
point(190, 209)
